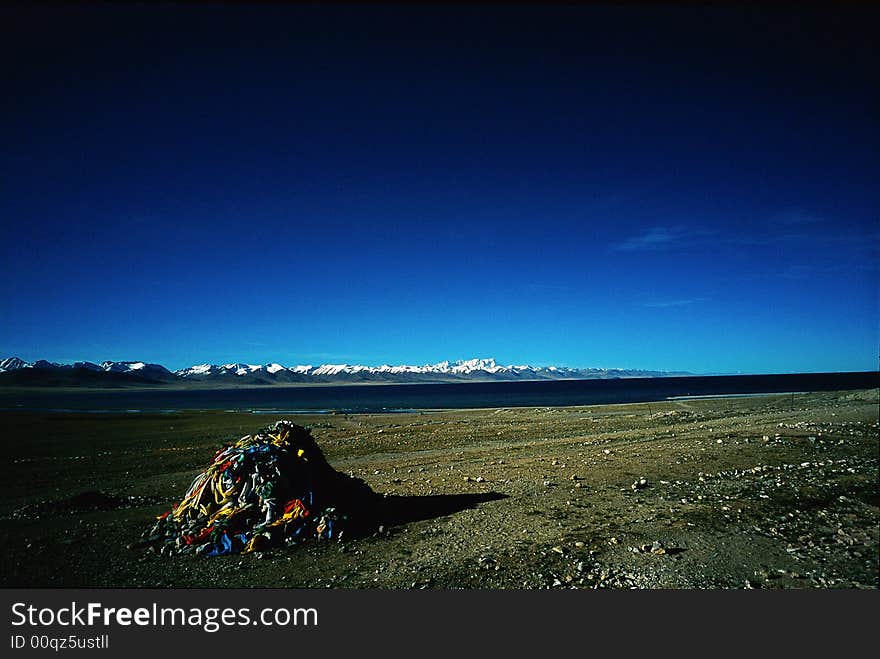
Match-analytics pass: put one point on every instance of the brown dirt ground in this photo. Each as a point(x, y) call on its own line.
point(774, 491)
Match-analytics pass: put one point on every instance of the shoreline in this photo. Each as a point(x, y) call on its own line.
point(395, 411)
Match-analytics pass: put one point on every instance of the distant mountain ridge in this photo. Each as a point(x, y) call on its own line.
point(17, 371)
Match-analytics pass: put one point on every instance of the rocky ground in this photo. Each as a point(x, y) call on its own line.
point(773, 491)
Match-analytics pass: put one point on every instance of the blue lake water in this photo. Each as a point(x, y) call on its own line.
point(410, 397)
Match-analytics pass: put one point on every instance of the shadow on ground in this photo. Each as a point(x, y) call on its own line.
point(368, 513)
point(396, 510)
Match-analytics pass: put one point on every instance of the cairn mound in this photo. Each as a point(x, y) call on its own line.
point(268, 490)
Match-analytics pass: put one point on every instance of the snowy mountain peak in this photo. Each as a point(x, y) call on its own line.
point(471, 365)
point(198, 369)
point(13, 364)
point(133, 367)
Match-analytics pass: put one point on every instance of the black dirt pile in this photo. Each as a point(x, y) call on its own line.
point(268, 490)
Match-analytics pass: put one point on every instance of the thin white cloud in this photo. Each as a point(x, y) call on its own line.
point(653, 239)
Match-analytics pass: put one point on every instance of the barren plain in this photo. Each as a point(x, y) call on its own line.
point(776, 491)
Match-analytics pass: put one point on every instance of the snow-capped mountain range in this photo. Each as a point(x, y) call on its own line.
point(462, 368)
point(88, 371)
point(274, 373)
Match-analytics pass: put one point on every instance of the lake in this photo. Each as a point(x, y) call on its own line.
point(411, 397)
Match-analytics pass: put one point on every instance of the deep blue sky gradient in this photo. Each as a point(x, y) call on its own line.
point(666, 188)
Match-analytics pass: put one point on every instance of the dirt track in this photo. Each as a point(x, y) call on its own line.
point(776, 491)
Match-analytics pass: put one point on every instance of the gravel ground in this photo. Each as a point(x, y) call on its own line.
point(775, 491)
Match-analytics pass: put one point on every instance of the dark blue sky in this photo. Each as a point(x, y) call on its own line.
point(673, 188)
